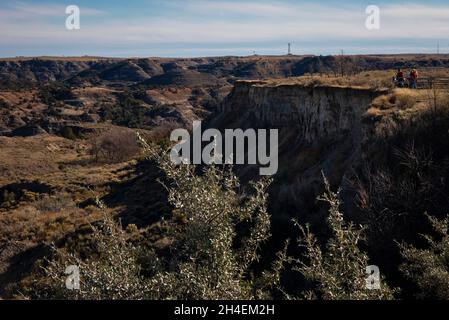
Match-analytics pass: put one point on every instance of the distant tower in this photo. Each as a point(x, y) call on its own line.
point(438, 47)
point(289, 49)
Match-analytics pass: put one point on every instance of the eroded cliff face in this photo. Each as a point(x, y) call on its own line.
point(320, 130)
point(315, 113)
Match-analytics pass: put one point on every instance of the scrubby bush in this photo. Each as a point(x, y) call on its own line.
point(55, 203)
point(428, 268)
point(338, 272)
point(128, 111)
point(215, 237)
point(208, 260)
point(394, 197)
point(161, 134)
point(54, 92)
point(404, 173)
point(114, 273)
point(209, 257)
point(114, 145)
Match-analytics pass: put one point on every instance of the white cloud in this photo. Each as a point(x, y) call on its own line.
point(247, 8)
point(416, 11)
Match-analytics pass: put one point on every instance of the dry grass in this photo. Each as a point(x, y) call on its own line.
point(55, 203)
point(375, 80)
point(407, 99)
point(66, 170)
point(30, 224)
point(381, 79)
point(398, 98)
point(25, 157)
point(58, 204)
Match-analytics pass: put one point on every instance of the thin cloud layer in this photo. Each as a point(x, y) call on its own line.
point(36, 11)
point(210, 23)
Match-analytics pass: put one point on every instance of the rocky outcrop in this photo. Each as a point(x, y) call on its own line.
point(320, 130)
point(315, 113)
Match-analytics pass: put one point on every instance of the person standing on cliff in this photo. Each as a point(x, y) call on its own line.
point(399, 74)
point(399, 79)
point(413, 79)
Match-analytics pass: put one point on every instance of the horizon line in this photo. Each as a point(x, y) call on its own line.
point(24, 57)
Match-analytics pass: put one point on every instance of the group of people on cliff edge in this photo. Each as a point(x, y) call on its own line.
point(411, 81)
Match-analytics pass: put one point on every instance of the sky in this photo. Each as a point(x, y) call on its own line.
point(197, 28)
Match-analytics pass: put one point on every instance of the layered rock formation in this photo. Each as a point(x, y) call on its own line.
point(314, 112)
point(320, 130)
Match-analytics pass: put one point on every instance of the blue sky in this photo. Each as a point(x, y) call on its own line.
point(187, 28)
